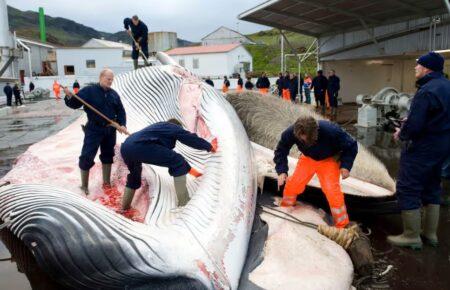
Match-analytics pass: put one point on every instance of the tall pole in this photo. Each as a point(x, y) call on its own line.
point(282, 51)
point(42, 25)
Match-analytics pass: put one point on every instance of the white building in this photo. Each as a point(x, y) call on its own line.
point(162, 41)
point(102, 43)
point(223, 35)
point(39, 57)
point(214, 60)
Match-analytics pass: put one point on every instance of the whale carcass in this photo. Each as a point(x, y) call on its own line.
point(84, 244)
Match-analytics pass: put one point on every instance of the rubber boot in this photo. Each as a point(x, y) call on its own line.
point(127, 198)
point(85, 181)
point(446, 192)
point(135, 64)
point(323, 110)
point(181, 190)
point(106, 172)
point(430, 224)
point(411, 231)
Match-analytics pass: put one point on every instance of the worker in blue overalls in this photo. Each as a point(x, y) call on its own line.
point(97, 131)
point(154, 145)
point(426, 139)
point(139, 31)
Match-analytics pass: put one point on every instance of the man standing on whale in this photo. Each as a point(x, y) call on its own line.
point(97, 131)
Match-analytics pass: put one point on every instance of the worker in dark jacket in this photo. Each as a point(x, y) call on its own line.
point(248, 84)
point(139, 31)
point(285, 84)
point(293, 87)
point(9, 93)
point(154, 145)
point(321, 144)
point(17, 97)
point(209, 82)
point(76, 87)
point(225, 85)
point(97, 131)
point(263, 84)
point(31, 87)
point(279, 84)
point(320, 84)
point(334, 85)
point(426, 138)
point(240, 84)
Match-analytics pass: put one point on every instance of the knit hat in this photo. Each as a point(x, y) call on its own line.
point(432, 60)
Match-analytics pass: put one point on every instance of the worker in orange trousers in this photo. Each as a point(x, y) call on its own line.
point(57, 89)
point(327, 151)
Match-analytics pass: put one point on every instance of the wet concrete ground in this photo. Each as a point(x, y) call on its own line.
point(428, 269)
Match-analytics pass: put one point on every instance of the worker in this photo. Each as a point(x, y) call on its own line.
point(31, 87)
point(154, 145)
point(263, 84)
point(425, 135)
point(279, 84)
point(285, 86)
point(97, 131)
point(293, 87)
point(327, 151)
point(57, 89)
point(240, 83)
point(76, 87)
point(307, 88)
point(334, 85)
point(209, 82)
point(139, 32)
point(226, 85)
point(248, 84)
point(320, 84)
point(9, 93)
point(17, 97)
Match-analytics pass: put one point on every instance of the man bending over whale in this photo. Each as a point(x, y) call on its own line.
point(154, 145)
point(327, 151)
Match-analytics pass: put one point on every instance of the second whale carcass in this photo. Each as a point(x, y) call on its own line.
point(84, 244)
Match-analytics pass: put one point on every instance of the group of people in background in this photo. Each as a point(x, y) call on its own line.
point(293, 88)
point(16, 91)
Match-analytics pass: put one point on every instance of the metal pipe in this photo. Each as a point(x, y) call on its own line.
point(282, 51)
point(447, 4)
point(29, 55)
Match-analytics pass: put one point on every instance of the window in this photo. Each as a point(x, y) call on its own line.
point(181, 62)
point(195, 63)
point(90, 63)
point(69, 70)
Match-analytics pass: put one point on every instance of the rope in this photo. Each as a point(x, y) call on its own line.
point(227, 283)
point(342, 236)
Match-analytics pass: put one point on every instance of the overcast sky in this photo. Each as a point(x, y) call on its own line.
point(191, 19)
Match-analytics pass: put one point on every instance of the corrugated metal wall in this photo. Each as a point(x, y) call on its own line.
point(415, 42)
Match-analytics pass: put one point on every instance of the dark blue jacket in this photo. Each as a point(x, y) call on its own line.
point(106, 101)
point(430, 109)
point(332, 140)
point(166, 134)
point(240, 82)
point(279, 83)
point(263, 83)
point(139, 31)
point(319, 84)
point(8, 90)
point(285, 83)
point(334, 84)
point(293, 85)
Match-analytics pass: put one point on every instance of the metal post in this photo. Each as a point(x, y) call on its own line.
point(42, 25)
point(447, 4)
point(282, 51)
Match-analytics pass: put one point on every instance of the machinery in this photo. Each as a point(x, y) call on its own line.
point(380, 109)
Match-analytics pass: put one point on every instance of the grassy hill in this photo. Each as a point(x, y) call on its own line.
point(61, 31)
point(266, 53)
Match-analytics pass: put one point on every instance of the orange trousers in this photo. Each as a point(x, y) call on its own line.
point(224, 89)
point(264, 90)
point(286, 95)
point(328, 172)
point(239, 88)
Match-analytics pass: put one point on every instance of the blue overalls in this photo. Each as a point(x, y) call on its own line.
point(333, 89)
point(426, 136)
point(153, 145)
point(97, 132)
point(138, 31)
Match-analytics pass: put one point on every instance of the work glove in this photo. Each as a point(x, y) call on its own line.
point(214, 145)
point(195, 173)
